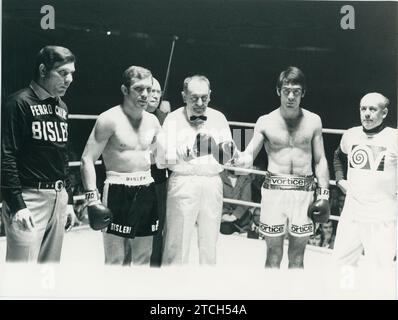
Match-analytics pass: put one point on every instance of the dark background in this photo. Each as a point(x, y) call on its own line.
point(241, 46)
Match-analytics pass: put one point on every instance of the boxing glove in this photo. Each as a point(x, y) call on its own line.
point(99, 216)
point(319, 210)
point(205, 145)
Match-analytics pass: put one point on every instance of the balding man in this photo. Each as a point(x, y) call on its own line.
point(160, 109)
point(367, 222)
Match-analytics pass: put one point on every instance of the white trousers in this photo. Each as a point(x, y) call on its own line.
point(192, 200)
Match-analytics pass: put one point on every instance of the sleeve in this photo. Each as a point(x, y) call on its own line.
point(340, 160)
point(68, 183)
point(225, 131)
point(15, 129)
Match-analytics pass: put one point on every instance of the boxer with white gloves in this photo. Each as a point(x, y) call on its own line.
point(125, 136)
point(293, 139)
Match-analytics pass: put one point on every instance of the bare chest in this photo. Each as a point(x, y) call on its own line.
point(127, 137)
point(281, 135)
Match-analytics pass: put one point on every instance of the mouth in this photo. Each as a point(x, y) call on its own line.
point(199, 110)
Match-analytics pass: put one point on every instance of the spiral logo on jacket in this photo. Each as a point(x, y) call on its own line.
point(367, 157)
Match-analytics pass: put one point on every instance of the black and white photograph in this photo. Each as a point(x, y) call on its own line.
point(218, 150)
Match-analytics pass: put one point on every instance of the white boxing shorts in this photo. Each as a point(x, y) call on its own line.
point(285, 200)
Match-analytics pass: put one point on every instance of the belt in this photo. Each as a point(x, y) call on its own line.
point(56, 185)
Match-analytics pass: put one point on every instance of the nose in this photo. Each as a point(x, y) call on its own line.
point(69, 78)
point(290, 96)
point(199, 102)
point(145, 94)
point(367, 113)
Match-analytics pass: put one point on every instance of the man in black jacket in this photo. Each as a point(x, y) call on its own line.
point(34, 163)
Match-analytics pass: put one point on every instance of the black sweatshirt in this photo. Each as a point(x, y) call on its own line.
point(34, 142)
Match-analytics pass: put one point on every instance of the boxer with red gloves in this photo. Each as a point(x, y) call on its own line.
point(292, 137)
point(124, 135)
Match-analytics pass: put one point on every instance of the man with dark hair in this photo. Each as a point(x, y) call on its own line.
point(35, 162)
point(292, 137)
point(124, 135)
point(368, 154)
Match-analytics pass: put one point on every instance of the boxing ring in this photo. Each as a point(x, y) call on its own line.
point(239, 273)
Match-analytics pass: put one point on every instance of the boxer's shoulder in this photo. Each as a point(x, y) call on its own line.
point(108, 119)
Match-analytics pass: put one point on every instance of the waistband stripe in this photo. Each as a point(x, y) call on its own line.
point(129, 179)
point(281, 182)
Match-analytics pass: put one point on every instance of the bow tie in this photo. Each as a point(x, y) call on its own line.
point(193, 118)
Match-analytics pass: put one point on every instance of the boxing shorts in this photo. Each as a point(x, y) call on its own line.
point(132, 199)
point(284, 204)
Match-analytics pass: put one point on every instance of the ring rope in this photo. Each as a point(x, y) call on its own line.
point(243, 170)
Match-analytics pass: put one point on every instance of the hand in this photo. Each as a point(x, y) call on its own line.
point(242, 160)
point(343, 185)
point(165, 106)
point(71, 218)
point(205, 145)
point(226, 217)
point(24, 219)
point(185, 153)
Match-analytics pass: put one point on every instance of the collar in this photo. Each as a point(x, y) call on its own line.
point(39, 91)
point(375, 129)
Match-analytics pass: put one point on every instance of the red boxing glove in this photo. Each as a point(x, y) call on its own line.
point(319, 210)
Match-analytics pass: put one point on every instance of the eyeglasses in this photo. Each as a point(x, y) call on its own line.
point(296, 92)
point(195, 99)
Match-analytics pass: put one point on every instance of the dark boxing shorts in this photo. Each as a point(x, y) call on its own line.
point(132, 199)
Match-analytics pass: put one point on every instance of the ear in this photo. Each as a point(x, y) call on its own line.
point(124, 90)
point(303, 94)
point(42, 70)
point(278, 92)
point(184, 97)
point(209, 96)
point(385, 112)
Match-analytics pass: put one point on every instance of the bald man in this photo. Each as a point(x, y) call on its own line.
point(160, 109)
point(155, 106)
point(367, 222)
